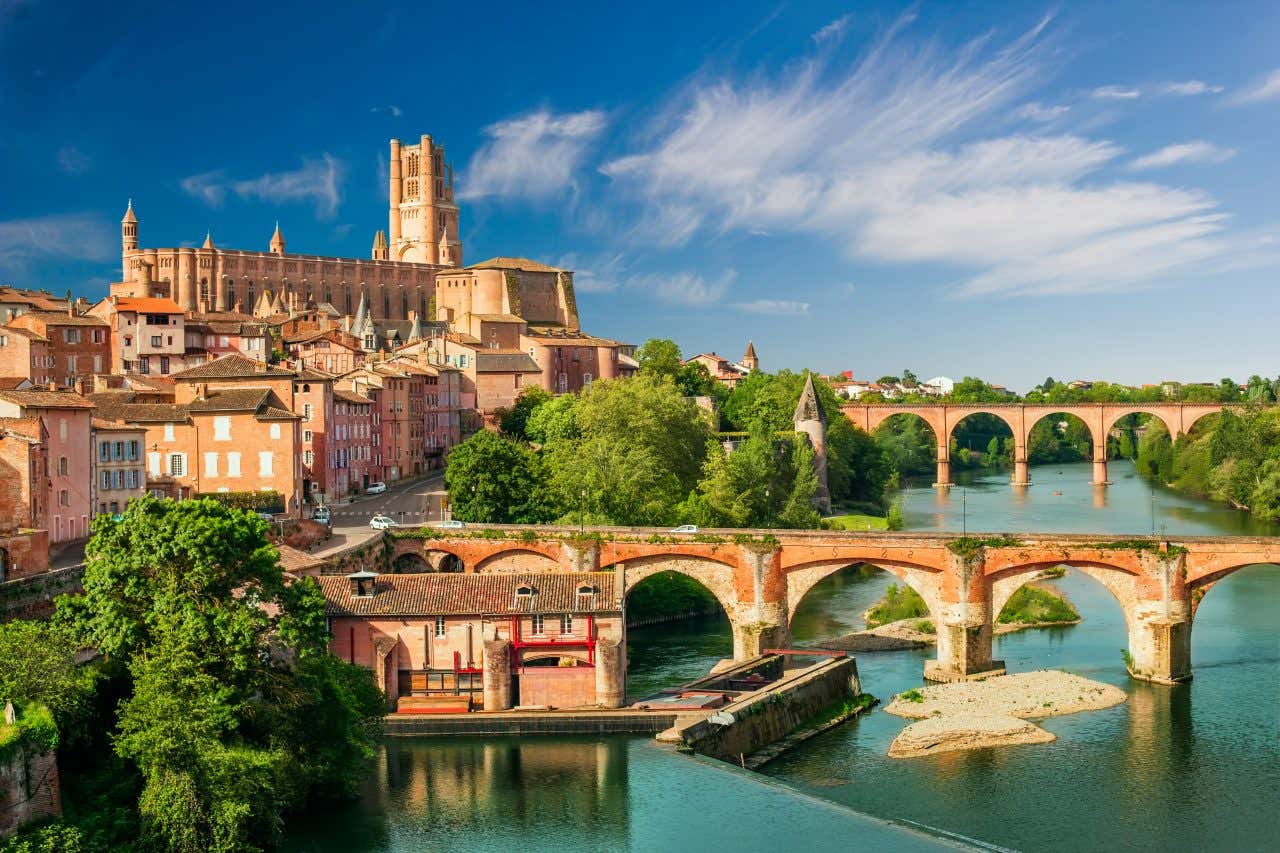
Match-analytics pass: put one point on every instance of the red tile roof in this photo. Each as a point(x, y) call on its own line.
point(231, 366)
point(148, 305)
point(435, 594)
point(47, 399)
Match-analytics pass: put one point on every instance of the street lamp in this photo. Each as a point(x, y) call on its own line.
point(964, 512)
point(1153, 511)
point(582, 504)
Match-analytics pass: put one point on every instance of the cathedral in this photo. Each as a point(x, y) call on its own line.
point(396, 283)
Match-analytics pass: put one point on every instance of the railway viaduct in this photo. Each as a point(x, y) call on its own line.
point(760, 577)
point(1100, 418)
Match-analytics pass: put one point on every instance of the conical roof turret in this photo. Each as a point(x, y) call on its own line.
point(129, 215)
point(809, 407)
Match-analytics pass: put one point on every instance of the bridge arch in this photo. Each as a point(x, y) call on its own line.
point(410, 563)
point(957, 414)
point(716, 576)
point(1204, 579)
point(521, 559)
point(803, 577)
point(1115, 414)
point(442, 560)
point(1121, 582)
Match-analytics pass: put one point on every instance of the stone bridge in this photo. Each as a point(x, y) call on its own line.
point(760, 577)
point(1100, 418)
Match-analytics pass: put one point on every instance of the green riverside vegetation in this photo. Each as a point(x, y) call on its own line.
point(1030, 605)
point(214, 711)
point(899, 602)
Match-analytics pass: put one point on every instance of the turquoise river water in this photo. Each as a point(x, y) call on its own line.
point(1193, 767)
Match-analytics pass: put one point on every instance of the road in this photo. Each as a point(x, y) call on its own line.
point(404, 502)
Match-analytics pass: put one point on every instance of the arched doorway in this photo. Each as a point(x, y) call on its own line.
point(677, 631)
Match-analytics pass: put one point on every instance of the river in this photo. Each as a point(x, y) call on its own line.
point(1191, 767)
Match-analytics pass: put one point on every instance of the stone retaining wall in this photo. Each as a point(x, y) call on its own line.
point(531, 723)
point(28, 789)
point(771, 714)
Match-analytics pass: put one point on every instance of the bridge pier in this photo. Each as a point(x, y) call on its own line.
point(1100, 468)
point(943, 478)
point(1159, 642)
point(964, 645)
point(1021, 472)
point(497, 675)
point(756, 631)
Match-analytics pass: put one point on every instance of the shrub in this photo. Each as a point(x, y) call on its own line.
point(1031, 604)
point(899, 602)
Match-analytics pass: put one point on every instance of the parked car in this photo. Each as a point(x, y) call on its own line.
point(321, 515)
point(376, 489)
point(382, 522)
point(685, 528)
point(451, 524)
point(267, 516)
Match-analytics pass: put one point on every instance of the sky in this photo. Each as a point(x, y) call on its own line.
point(1005, 190)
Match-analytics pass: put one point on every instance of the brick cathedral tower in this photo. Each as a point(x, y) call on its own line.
point(423, 224)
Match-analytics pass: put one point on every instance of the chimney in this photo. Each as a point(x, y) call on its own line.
point(364, 584)
point(53, 385)
point(202, 391)
point(238, 307)
point(80, 385)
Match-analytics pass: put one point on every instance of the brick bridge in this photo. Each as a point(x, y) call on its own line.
point(942, 418)
point(761, 579)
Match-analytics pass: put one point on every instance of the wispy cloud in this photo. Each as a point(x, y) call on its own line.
point(390, 108)
point(1115, 93)
point(1197, 151)
point(1036, 111)
point(73, 236)
point(891, 159)
point(531, 157)
point(72, 160)
point(684, 288)
point(597, 275)
point(1188, 88)
point(1266, 89)
point(832, 31)
point(775, 307)
point(318, 180)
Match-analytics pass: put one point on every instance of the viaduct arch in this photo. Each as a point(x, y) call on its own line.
point(760, 577)
point(1100, 418)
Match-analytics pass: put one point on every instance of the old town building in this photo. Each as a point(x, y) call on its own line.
point(727, 372)
point(66, 418)
point(213, 334)
point(350, 448)
point(492, 641)
point(148, 335)
point(24, 536)
point(76, 346)
point(24, 354)
point(119, 472)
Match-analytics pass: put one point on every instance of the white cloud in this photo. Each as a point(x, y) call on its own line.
point(1189, 88)
point(1197, 151)
point(318, 180)
point(1115, 93)
point(776, 307)
point(75, 236)
point(684, 288)
point(532, 157)
point(833, 31)
point(891, 159)
point(1267, 89)
point(72, 160)
point(390, 108)
point(1036, 111)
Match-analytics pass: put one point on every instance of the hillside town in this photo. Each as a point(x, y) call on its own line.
point(280, 382)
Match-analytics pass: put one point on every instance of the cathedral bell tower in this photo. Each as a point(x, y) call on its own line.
point(423, 217)
point(128, 237)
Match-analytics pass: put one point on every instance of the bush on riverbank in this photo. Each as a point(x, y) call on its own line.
point(1032, 605)
point(899, 602)
point(669, 596)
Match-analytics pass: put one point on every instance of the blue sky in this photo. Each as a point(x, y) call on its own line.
point(1003, 190)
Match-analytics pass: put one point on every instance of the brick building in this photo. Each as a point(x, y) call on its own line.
point(66, 418)
point(467, 641)
point(24, 538)
point(77, 346)
point(24, 354)
point(350, 448)
point(148, 334)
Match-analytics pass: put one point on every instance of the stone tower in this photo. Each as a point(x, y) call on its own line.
point(380, 250)
point(812, 421)
point(128, 237)
point(423, 218)
point(749, 360)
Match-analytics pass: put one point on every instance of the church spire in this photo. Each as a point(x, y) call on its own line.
point(277, 241)
point(208, 240)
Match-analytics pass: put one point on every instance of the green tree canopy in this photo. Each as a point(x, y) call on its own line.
point(491, 478)
point(514, 419)
point(659, 357)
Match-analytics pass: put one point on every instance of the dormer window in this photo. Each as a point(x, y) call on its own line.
point(363, 584)
point(524, 595)
point(586, 589)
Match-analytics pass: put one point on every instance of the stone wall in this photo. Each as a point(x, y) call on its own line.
point(28, 789)
point(771, 714)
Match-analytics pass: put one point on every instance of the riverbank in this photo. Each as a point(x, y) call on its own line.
point(994, 712)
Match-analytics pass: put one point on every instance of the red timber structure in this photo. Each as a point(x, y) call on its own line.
point(1100, 418)
point(760, 577)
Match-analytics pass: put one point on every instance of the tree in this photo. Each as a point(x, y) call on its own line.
point(514, 420)
point(909, 379)
point(554, 420)
point(659, 357)
point(229, 671)
point(637, 455)
point(37, 664)
point(494, 479)
point(888, 380)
